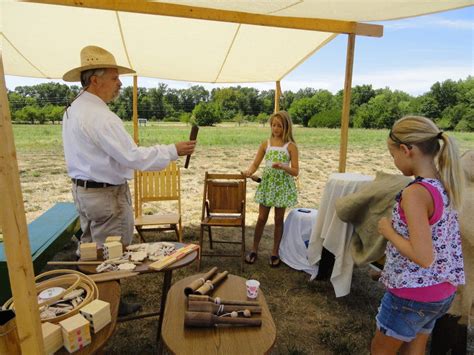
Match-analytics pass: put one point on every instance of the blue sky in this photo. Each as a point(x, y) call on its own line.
point(412, 55)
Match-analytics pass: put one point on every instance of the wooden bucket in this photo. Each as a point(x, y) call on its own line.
point(9, 340)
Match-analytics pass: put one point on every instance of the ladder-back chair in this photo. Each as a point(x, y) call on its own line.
point(223, 206)
point(153, 186)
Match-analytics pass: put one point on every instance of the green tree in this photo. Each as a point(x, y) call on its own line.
point(207, 113)
point(52, 113)
point(382, 110)
point(329, 119)
point(302, 110)
point(445, 94)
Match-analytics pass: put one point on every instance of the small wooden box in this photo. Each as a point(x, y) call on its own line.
point(112, 250)
point(52, 337)
point(97, 313)
point(88, 251)
point(76, 332)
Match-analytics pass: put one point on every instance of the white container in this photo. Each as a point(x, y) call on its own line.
point(252, 288)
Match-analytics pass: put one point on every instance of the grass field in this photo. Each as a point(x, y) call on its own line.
point(309, 319)
point(47, 138)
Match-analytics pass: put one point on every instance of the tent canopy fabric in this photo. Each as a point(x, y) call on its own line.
point(44, 40)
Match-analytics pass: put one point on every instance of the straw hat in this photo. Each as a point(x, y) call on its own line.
point(93, 57)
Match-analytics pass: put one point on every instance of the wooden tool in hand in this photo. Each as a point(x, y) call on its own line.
point(205, 320)
point(253, 177)
point(199, 306)
point(217, 300)
point(192, 137)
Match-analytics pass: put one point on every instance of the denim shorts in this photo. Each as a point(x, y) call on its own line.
point(403, 319)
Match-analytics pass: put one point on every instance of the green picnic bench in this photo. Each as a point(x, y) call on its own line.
point(48, 234)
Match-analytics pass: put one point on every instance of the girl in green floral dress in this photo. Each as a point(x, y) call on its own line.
point(277, 188)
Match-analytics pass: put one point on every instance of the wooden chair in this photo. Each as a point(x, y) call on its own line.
point(223, 206)
point(152, 186)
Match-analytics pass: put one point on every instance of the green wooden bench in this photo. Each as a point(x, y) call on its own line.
point(48, 234)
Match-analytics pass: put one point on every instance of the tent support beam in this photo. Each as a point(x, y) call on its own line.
point(135, 109)
point(346, 103)
point(201, 13)
point(277, 95)
point(136, 139)
point(15, 231)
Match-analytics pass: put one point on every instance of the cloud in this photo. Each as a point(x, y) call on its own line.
point(436, 22)
point(414, 81)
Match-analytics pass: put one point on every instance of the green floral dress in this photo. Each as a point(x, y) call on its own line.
point(277, 188)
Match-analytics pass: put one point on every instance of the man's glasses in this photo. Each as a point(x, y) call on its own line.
point(395, 139)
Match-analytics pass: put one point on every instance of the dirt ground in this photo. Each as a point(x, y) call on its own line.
point(309, 319)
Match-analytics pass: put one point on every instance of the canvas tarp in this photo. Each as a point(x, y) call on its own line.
point(44, 41)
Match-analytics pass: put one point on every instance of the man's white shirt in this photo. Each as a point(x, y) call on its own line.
point(97, 147)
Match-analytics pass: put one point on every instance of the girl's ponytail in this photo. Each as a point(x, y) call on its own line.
point(450, 169)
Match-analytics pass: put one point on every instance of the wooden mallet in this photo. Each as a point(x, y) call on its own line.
point(192, 137)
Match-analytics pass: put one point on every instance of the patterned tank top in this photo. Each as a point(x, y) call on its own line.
point(448, 266)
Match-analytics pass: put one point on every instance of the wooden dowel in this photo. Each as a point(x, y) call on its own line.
point(206, 298)
point(200, 306)
point(205, 320)
point(112, 275)
point(91, 262)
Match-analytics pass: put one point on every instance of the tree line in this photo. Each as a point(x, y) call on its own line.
point(450, 103)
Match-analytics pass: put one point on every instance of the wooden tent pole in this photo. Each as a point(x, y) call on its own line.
point(277, 96)
point(346, 103)
point(15, 235)
point(136, 139)
point(135, 109)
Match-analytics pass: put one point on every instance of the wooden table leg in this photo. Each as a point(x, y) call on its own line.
point(164, 295)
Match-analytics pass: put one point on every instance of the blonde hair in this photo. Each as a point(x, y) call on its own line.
point(422, 132)
point(287, 125)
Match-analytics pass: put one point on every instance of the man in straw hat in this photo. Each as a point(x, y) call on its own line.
point(100, 154)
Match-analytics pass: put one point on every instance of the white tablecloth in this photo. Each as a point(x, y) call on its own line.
point(333, 234)
point(296, 234)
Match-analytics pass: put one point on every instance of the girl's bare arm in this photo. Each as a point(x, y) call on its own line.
point(258, 159)
point(417, 204)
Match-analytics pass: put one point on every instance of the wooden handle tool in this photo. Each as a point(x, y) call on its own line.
point(192, 137)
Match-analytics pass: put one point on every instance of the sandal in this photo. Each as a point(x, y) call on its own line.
point(250, 257)
point(274, 261)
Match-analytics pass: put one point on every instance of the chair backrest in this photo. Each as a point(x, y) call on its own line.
point(163, 185)
point(224, 194)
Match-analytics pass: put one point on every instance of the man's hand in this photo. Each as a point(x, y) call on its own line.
point(185, 148)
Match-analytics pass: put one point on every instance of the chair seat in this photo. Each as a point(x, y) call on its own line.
point(223, 221)
point(155, 219)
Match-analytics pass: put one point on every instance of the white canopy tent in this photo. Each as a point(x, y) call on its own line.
point(203, 41)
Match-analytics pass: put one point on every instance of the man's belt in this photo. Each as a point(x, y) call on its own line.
point(89, 184)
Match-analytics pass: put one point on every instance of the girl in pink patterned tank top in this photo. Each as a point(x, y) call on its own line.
point(424, 262)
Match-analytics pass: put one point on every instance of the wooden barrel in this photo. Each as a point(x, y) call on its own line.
point(9, 340)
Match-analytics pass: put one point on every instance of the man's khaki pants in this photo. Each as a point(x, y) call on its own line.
point(104, 212)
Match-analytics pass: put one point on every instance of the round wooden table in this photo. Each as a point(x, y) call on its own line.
point(216, 340)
